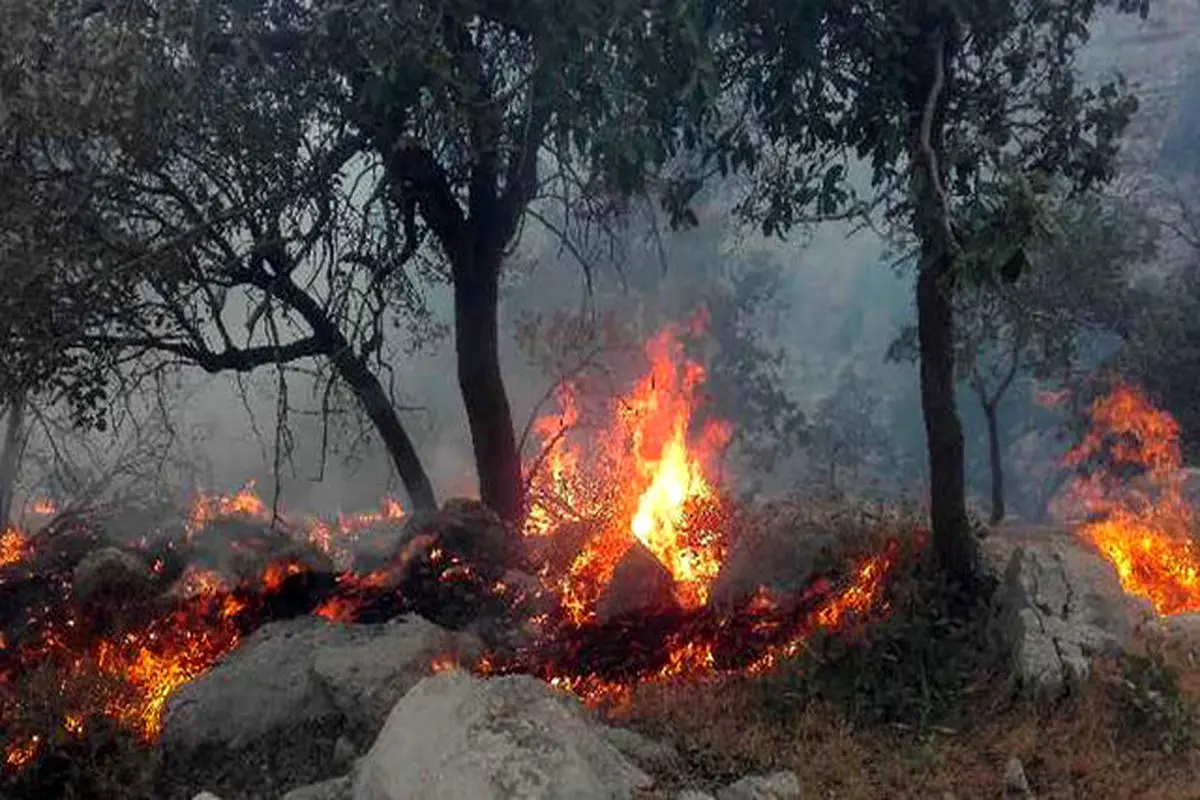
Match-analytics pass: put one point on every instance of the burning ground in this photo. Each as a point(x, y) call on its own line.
point(626, 537)
point(637, 575)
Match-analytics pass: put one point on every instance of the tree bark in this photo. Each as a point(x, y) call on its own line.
point(996, 463)
point(931, 53)
point(481, 382)
point(10, 458)
point(352, 368)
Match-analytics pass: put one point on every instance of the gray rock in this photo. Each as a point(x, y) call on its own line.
point(640, 585)
point(456, 736)
point(368, 672)
point(288, 706)
point(776, 786)
point(779, 554)
point(641, 750)
point(1016, 785)
point(1059, 606)
point(694, 794)
point(206, 796)
point(333, 789)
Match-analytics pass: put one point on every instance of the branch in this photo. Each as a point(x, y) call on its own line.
point(931, 104)
point(236, 359)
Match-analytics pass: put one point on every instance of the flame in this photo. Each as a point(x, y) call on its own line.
point(207, 507)
point(44, 506)
point(639, 477)
point(14, 547)
point(1147, 529)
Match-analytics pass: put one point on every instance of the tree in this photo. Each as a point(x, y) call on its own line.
point(945, 101)
point(478, 110)
point(1074, 290)
point(846, 433)
point(218, 220)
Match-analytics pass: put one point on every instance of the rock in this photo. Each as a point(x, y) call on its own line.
point(454, 735)
point(110, 576)
point(278, 708)
point(555, 551)
point(344, 752)
point(206, 796)
point(1016, 785)
point(694, 794)
point(780, 552)
point(1059, 606)
point(368, 672)
point(260, 712)
point(640, 585)
point(776, 786)
point(334, 789)
point(641, 750)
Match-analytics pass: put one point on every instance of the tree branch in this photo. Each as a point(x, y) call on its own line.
point(237, 359)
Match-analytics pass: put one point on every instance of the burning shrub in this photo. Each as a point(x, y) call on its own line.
point(68, 753)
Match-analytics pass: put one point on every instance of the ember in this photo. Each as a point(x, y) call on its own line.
point(1147, 527)
point(642, 478)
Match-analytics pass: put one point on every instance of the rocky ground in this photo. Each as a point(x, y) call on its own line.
point(308, 709)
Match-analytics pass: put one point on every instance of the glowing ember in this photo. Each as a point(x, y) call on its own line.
point(1145, 528)
point(245, 502)
point(44, 507)
point(14, 547)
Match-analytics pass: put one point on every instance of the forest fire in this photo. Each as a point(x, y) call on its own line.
point(1145, 527)
point(632, 480)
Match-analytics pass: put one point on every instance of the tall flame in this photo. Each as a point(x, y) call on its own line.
point(1147, 529)
point(636, 479)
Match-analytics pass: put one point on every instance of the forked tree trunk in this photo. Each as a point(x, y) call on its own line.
point(996, 462)
point(10, 458)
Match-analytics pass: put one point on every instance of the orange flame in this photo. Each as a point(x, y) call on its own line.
point(1146, 530)
point(638, 478)
point(244, 502)
point(44, 506)
point(14, 547)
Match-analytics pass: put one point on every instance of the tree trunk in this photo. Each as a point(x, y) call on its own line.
point(481, 382)
point(928, 77)
point(10, 458)
point(997, 464)
point(382, 413)
point(370, 393)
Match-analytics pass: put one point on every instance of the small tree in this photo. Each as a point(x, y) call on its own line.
point(1075, 289)
point(946, 101)
point(846, 434)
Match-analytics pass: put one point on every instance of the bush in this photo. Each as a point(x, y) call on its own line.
point(1152, 703)
point(911, 669)
point(80, 753)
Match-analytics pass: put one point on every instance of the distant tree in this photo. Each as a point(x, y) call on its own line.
point(946, 101)
point(846, 433)
point(1075, 288)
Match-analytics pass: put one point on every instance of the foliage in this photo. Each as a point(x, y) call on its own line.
point(846, 431)
point(745, 378)
point(97, 760)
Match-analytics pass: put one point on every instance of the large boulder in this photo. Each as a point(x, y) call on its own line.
point(640, 585)
point(456, 736)
point(1059, 606)
point(269, 716)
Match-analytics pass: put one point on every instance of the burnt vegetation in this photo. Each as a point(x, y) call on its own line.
point(709, 494)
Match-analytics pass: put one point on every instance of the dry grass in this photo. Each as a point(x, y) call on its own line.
point(1088, 745)
point(1082, 747)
